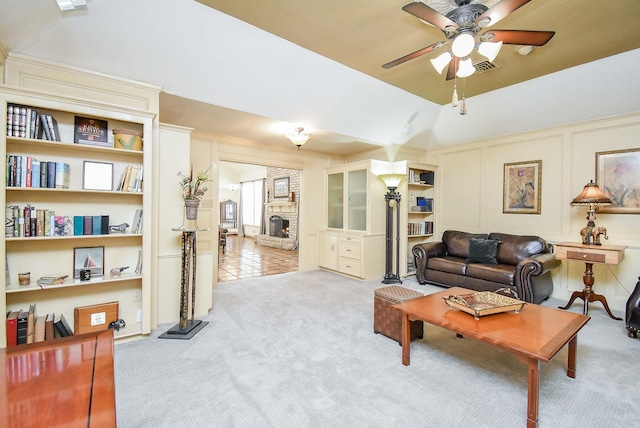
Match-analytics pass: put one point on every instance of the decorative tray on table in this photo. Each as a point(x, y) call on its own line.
point(483, 303)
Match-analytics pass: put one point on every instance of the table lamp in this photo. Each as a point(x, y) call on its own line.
point(593, 197)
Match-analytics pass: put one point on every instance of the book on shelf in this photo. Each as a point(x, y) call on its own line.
point(131, 179)
point(139, 264)
point(91, 132)
point(21, 336)
point(62, 170)
point(53, 128)
point(31, 323)
point(12, 328)
point(49, 330)
point(136, 225)
point(62, 327)
point(52, 279)
point(39, 329)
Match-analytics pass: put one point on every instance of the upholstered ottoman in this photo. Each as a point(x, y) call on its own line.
point(387, 320)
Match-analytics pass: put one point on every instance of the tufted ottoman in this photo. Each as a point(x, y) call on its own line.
point(387, 320)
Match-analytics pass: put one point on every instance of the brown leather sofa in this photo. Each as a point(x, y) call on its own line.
point(488, 262)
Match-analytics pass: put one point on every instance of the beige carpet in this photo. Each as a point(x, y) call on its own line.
point(298, 350)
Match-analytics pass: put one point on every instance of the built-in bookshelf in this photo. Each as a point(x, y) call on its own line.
point(96, 200)
point(418, 212)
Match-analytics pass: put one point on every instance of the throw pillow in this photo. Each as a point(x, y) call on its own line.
point(483, 251)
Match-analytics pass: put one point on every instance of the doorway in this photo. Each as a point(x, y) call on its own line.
point(246, 254)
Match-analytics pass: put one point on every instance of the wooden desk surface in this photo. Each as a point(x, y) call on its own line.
point(64, 382)
point(535, 332)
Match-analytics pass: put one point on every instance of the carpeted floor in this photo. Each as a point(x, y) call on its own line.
point(298, 350)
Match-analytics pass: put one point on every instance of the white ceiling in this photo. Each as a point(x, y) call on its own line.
point(222, 75)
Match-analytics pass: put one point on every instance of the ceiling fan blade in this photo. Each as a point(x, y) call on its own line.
point(453, 67)
point(413, 55)
point(518, 37)
point(500, 10)
point(424, 12)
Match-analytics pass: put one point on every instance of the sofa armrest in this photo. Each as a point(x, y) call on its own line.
point(421, 254)
point(530, 268)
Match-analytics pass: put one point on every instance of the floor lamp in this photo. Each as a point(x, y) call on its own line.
point(393, 200)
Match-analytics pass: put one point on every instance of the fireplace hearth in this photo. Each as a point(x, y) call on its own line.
point(278, 227)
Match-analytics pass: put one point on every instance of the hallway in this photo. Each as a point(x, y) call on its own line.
point(245, 259)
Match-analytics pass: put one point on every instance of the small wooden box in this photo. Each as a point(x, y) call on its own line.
point(92, 318)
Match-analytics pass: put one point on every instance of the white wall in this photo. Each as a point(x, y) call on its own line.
point(471, 186)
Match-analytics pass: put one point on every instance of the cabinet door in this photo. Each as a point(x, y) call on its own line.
point(335, 200)
point(329, 250)
point(357, 200)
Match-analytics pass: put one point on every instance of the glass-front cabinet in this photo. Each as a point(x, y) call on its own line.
point(353, 241)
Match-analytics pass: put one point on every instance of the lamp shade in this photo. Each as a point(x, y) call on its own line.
point(299, 137)
point(441, 61)
point(466, 68)
point(591, 195)
point(391, 180)
point(490, 50)
point(463, 45)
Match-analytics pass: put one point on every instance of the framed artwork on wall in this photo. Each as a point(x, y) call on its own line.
point(281, 187)
point(522, 191)
point(618, 176)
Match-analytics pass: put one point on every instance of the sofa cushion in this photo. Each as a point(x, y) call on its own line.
point(503, 274)
point(483, 251)
point(514, 248)
point(449, 264)
point(458, 242)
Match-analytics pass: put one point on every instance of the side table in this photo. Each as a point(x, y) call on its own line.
point(590, 254)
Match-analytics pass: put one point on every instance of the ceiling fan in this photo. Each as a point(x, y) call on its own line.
point(462, 25)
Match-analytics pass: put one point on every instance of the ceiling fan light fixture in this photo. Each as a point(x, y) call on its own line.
point(466, 68)
point(463, 45)
point(489, 50)
point(441, 62)
point(299, 137)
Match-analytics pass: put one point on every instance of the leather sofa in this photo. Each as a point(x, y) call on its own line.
point(489, 262)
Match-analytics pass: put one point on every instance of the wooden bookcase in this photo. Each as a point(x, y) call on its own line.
point(417, 220)
point(53, 255)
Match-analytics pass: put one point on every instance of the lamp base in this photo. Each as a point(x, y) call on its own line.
point(391, 278)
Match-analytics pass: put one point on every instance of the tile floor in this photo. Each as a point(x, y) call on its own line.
point(246, 259)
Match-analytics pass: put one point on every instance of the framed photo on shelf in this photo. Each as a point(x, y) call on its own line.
point(97, 175)
point(91, 258)
point(92, 132)
point(618, 176)
point(522, 190)
point(281, 187)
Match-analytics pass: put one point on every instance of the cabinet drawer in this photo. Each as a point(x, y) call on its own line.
point(350, 266)
point(350, 250)
point(586, 257)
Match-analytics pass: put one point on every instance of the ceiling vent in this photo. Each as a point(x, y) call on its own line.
point(484, 66)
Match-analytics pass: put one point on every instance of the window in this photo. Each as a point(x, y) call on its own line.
point(252, 202)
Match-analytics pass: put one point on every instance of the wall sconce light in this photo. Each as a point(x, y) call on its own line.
point(299, 137)
point(593, 197)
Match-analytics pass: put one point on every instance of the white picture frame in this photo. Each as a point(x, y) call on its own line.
point(97, 176)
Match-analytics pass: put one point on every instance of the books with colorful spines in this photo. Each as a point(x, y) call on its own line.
point(78, 225)
point(12, 328)
point(53, 128)
point(35, 173)
point(104, 219)
point(58, 229)
point(51, 175)
point(10, 221)
point(88, 225)
point(96, 226)
point(23, 122)
point(62, 175)
point(45, 127)
point(9, 120)
point(68, 225)
point(49, 222)
point(49, 330)
point(27, 221)
point(131, 186)
point(62, 327)
point(39, 331)
point(44, 172)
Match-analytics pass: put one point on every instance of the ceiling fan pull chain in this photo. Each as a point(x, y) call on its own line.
point(463, 104)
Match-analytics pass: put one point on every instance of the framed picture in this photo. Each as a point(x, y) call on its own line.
point(92, 132)
point(618, 176)
point(91, 258)
point(522, 191)
point(281, 187)
point(97, 175)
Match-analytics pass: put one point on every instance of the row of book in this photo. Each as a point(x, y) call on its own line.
point(25, 326)
point(26, 122)
point(31, 222)
point(25, 171)
point(420, 228)
point(421, 177)
point(130, 179)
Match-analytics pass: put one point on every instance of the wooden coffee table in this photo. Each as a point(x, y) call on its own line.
point(534, 334)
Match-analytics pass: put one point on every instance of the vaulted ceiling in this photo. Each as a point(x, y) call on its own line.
point(256, 68)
